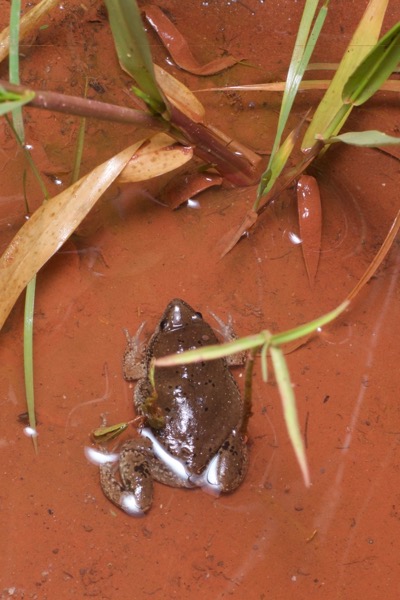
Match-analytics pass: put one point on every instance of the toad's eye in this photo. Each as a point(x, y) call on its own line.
point(197, 316)
point(164, 324)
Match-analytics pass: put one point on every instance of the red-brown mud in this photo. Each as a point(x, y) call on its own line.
point(272, 538)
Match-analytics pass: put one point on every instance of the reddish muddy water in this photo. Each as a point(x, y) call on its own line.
point(272, 537)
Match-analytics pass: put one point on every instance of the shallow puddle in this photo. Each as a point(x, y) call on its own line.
point(272, 538)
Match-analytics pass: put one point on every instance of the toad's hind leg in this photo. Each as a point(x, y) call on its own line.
point(134, 493)
point(231, 463)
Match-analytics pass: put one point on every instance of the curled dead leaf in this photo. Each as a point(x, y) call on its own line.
point(186, 186)
point(178, 48)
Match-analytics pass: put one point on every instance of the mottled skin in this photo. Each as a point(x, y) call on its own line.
point(201, 413)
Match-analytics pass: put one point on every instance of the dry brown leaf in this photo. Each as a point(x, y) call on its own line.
point(159, 155)
point(52, 224)
point(187, 185)
point(178, 48)
point(28, 24)
point(310, 222)
point(379, 257)
point(179, 95)
point(230, 239)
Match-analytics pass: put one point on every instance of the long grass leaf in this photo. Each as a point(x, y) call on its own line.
point(304, 46)
point(376, 67)
point(28, 356)
point(133, 48)
point(14, 63)
point(289, 410)
point(247, 343)
point(50, 226)
point(365, 36)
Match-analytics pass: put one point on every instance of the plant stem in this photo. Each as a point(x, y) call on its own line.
point(212, 148)
point(238, 167)
point(83, 107)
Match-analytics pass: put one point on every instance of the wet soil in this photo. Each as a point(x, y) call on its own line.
point(272, 538)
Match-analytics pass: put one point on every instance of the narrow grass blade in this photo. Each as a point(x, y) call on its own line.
point(277, 163)
point(310, 223)
point(304, 46)
point(289, 410)
point(133, 48)
point(9, 102)
point(379, 257)
point(28, 23)
point(79, 145)
point(249, 342)
point(14, 63)
point(305, 330)
point(28, 356)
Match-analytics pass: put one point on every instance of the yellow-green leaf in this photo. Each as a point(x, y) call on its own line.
point(289, 410)
point(365, 36)
point(50, 226)
point(160, 155)
point(376, 67)
point(369, 139)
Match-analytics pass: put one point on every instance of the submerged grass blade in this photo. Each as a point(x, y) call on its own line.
point(14, 63)
point(28, 357)
point(18, 128)
point(79, 145)
point(310, 223)
point(28, 23)
point(290, 410)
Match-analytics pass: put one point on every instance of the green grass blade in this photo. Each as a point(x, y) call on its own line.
point(18, 125)
point(79, 145)
point(215, 351)
point(247, 343)
point(9, 104)
point(28, 355)
point(376, 67)
point(290, 410)
point(304, 46)
point(264, 362)
point(365, 36)
point(14, 62)
point(133, 48)
point(369, 139)
point(304, 330)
